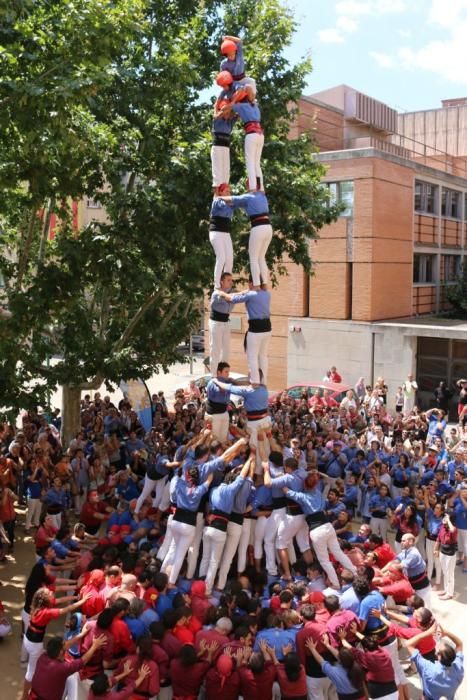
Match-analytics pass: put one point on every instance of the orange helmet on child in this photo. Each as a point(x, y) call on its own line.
point(224, 79)
point(228, 46)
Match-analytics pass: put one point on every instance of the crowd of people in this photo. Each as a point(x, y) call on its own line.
point(185, 566)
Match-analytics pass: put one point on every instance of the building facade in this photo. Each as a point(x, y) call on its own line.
point(374, 306)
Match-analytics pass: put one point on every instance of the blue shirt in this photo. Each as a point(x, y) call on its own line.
point(433, 524)
point(374, 599)
point(242, 498)
point(216, 394)
point(222, 125)
point(136, 626)
point(437, 680)
point(247, 111)
point(128, 491)
point(188, 497)
point(253, 203)
point(222, 497)
point(219, 207)
point(412, 561)
point(276, 638)
point(254, 398)
point(348, 599)
point(338, 675)
point(460, 514)
point(380, 503)
point(257, 302)
point(262, 499)
point(310, 501)
point(33, 489)
point(220, 304)
point(237, 66)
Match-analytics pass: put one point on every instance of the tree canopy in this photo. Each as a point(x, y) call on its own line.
point(107, 100)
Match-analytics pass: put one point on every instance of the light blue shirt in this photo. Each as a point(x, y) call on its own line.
point(253, 203)
point(257, 302)
point(254, 398)
point(412, 561)
point(247, 111)
point(437, 680)
point(219, 207)
point(216, 394)
point(222, 497)
point(188, 497)
point(237, 66)
point(310, 501)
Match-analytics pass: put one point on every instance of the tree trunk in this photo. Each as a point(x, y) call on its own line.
point(71, 419)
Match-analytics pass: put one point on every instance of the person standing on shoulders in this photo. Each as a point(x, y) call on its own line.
point(219, 327)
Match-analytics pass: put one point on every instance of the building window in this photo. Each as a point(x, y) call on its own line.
point(425, 197)
point(452, 267)
point(342, 193)
point(93, 204)
point(423, 268)
point(450, 204)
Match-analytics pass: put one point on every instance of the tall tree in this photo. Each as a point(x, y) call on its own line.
point(109, 102)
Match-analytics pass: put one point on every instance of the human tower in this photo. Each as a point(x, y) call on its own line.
point(237, 103)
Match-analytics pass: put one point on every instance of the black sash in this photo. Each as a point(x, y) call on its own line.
point(236, 518)
point(218, 316)
point(280, 502)
point(221, 140)
point(259, 219)
point(182, 515)
point(215, 407)
point(220, 223)
point(259, 325)
point(379, 690)
point(314, 520)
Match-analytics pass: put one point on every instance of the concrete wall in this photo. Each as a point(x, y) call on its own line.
point(351, 347)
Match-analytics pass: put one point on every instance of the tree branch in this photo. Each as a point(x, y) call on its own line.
point(45, 229)
point(24, 254)
point(135, 320)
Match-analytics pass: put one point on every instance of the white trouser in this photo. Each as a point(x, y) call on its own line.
point(380, 526)
point(84, 687)
point(462, 541)
point(260, 531)
point(165, 693)
point(274, 521)
point(71, 687)
point(431, 561)
point(223, 248)
point(80, 499)
point(56, 520)
point(164, 548)
point(246, 538)
point(219, 344)
point(257, 346)
point(320, 688)
point(448, 567)
point(34, 650)
point(213, 545)
point(220, 425)
point(260, 238)
point(248, 82)
point(425, 595)
point(253, 148)
point(393, 651)
point(25, 617)
point(324, 540)
point(162, 499)
point(193, 550)
point(391, 696)
point(253, 426)
point(220, 163)
point(33, 513)
point(293, 526)
point(234, 532)
point(182, 534)
point(156, 485)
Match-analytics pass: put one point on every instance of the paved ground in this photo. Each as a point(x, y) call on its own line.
point(14, 572)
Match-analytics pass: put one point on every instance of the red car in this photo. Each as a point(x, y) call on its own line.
point(337, 391)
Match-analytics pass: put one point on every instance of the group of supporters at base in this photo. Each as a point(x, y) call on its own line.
point(196, 566)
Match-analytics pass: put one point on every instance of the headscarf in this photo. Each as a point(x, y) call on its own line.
point(224, 667)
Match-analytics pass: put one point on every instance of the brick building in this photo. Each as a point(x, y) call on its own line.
point(374, 305)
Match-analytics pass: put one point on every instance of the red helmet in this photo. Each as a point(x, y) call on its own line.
point(224, 78)
point(228, 46)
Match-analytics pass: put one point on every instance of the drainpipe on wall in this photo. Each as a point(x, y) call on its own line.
point(372, 365)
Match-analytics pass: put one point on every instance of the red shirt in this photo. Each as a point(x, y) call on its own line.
point(41, 619)
point(291, 689)
point(377, 664)
point(187, 680)
point(385, 554)
point(88, 512)
point(425, 646)
point(123, 642)
point(399, 590)
point(95, 664)
point(50, 676)
point(186, 633)
point(211, 636)
point(257, 686)
point(215, 689)
point(340, 619)
point(43, 536)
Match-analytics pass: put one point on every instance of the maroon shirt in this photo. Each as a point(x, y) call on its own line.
point(377, 664)
point(171, 645)
point(341, 619)
point(187, 680)
point(211, 636)
point(257, 686)
point(161, 658)
point(229, 690)
point(50, 676)
point(96, 663)
point(291, 689)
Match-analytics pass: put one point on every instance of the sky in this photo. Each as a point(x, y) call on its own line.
point(410, 54)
